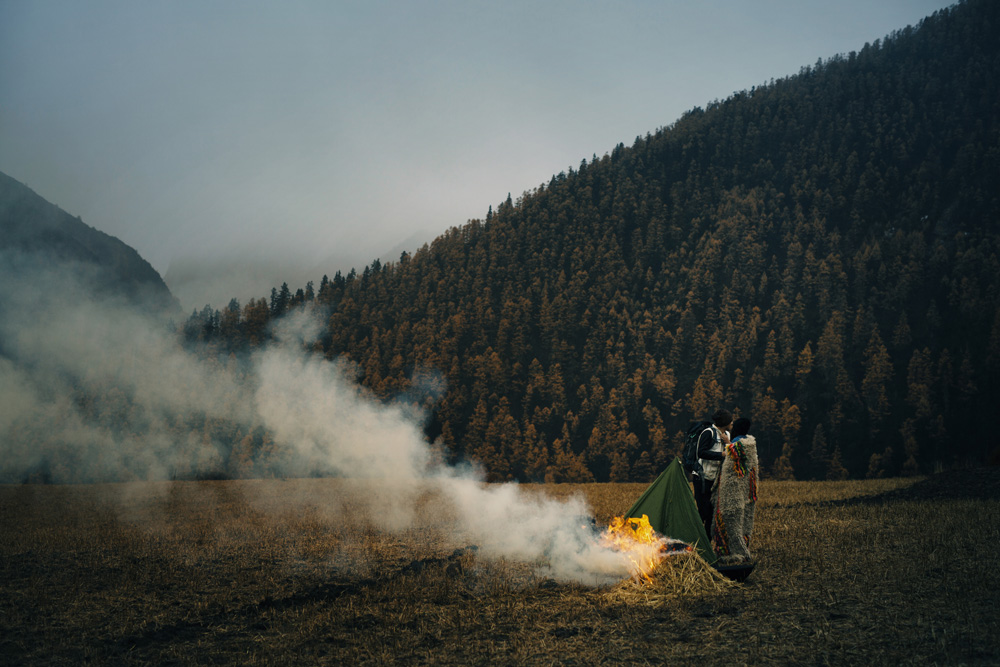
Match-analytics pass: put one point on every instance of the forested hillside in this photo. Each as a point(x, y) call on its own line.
point(819, 253)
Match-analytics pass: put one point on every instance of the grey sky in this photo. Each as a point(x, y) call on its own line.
point(312, 133)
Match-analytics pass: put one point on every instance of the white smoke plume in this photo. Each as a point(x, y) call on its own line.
point(316, 407)
point(72, 363)
point(506, 522)
point(58, 344)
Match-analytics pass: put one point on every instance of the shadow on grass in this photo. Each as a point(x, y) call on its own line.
point(968, 484)
point(192, 629)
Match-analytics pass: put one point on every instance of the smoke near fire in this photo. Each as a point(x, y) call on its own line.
point(317, 407)
point(69, 362)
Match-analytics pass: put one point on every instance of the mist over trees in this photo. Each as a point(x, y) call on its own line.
point(819, 253)
point(37, 235)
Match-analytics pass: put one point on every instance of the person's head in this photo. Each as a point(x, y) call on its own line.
point(741, 427)
point(723, 419)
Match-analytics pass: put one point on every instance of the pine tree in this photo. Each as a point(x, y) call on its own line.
point(919, 380)
point(619, 468)
point(642, 469)
point(910, 448)
point(804, 366)
point(819, 453)
point(782, 468)
point(836, 470)
point(565, 466)
point(879, 465)
point(875, 384)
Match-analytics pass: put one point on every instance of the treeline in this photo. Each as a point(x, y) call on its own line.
point(819, 253)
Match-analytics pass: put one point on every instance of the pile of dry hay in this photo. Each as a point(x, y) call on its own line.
point(676, 576)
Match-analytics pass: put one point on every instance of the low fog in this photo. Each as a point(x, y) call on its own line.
point(93, 391)
point(214, 278)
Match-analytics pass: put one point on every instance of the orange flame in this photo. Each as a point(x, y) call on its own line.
point(635, 539)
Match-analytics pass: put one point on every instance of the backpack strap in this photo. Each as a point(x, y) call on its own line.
point(714, 437)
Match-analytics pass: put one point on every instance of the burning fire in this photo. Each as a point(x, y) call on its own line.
point(636, 540)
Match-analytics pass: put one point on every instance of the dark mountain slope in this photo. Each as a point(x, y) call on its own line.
point(820, 253)
point(35, 232)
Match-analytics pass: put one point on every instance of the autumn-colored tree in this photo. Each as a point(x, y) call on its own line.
point(875, 383)
point(919, 381)
point(880, 464)
point(819, 453)
point(782, 468)
point(620, 469)
point(565, 466)
point(643, 469)
point(836, 470)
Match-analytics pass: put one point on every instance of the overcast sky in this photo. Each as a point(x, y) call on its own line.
point(307, 134)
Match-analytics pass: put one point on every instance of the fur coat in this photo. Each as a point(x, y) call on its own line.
point(735, 499)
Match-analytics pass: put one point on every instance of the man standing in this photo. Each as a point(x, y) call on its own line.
point(711, 453)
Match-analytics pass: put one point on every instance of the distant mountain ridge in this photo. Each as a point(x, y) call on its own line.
point(30, 224)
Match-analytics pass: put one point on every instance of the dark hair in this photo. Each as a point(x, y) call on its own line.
point(741, 427)
point(722, 417)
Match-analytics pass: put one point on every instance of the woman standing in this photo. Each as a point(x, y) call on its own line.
point(735, 497)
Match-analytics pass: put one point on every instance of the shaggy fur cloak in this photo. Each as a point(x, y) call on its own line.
point(735, 500)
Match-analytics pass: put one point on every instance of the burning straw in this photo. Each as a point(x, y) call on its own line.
point(662, 569)
point(679, 575)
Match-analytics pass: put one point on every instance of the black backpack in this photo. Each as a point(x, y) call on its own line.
point(691, 462)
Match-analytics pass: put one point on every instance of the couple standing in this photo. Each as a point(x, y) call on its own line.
point(726, 488)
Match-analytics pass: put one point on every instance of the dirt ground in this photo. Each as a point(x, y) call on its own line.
point(257, 572)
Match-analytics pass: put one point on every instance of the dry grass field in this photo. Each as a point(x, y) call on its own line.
point(263, 572)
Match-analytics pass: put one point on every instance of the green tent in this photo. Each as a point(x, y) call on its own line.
point(669, 504)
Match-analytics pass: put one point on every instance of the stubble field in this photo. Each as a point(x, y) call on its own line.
point(265, 572)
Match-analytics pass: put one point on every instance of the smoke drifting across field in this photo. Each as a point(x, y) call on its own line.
point(77, 365)
point(317, 408)
point(93, 390)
